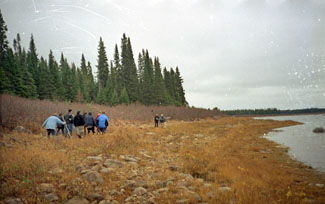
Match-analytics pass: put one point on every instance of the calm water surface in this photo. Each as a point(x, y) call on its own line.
point(304, 145)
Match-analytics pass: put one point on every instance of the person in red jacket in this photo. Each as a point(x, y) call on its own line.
point(97, 126)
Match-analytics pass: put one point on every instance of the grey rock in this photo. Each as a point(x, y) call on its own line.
point(22, 129)
point(92, 176)
point(161, 184)
point(85, 171)
point(108, 202)
point(96, 168)
point(140, 191)
point(129, 158)
point(47, 188)
point(76, 200)
point(162, 190)
point(320, 185)
point(80, 167)
point(96, 196)
point(95, 158)
point(111, 163)
point(171, 178)
point(134, 165)
point(151, 201)
point(56, 171)
point(140, 183)
point(182, 201)
point(13, 201)
point(106, 170)
point(196, 196)
point(225, 189)
point(113, 192)
point(188, 177)
point(51, 197)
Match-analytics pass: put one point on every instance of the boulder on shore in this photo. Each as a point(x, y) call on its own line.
point(319, 130)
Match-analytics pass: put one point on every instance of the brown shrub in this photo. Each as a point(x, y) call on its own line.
point(31, 113)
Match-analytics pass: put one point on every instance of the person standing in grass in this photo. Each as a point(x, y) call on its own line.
point(90, 123)
point(51, 123)
point(79, 124)
point(156, 119)
point(162, 120)
point(102, 122)
point(68, 118)
point(60, 126)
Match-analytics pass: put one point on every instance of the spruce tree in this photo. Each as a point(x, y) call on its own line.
point(44, 91)
point(68, 80)
point(159, 90)
point(83, 79)
point(54, 81)
point(179, 88)
point(147, 91)
point(32, 61)
point(114, 98)
point(75, 83)
point(5, 86)
point(102, 66)
point(92, 89)
point(133, 86)
point(4, 82)
point(168, 85)
point(27, 78)
point(124, 98)
point(129, 70)
point(4, 45)
point(116, 72)
point(28, 85)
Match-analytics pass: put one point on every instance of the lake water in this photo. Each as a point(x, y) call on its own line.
point(304, 145)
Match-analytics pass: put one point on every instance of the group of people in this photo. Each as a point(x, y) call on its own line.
point(80, 123)
point(162, 120)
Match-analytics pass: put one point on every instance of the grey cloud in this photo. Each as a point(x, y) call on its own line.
point(231, 54)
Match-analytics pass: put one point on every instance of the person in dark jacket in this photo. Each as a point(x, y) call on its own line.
point(156, 119)
point(68, 118)
point(79, 124)
point(60, 126)
point(90, 123)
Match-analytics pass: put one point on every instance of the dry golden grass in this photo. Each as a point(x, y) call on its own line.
point(228, 151)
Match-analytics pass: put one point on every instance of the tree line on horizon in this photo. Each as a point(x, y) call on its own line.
point(272, 111)
point(119, 81)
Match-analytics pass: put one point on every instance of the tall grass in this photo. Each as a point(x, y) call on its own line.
point(31, 113)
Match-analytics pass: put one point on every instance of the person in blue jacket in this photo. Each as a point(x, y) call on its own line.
point(51, 123)
point(102, 122)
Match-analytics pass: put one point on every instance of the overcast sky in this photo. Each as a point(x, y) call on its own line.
point(232, 54)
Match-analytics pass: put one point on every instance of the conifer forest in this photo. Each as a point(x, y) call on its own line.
point(118, 81)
